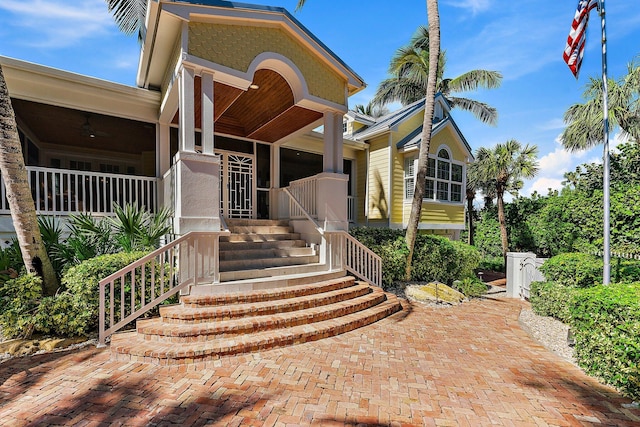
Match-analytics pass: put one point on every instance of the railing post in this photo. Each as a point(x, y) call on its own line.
point(101, 328)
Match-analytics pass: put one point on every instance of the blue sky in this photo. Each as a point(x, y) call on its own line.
point(523, 40)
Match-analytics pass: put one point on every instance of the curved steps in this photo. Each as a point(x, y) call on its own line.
point(205, 327)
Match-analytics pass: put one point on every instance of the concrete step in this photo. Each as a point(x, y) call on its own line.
point(261, 263)
point(260, 229)
point(293, 251)
point(273, 244)
point(233, 222)
point(265, 283)
point(259, 237)
point(227, 276)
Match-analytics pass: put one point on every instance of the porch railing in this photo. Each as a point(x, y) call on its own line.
point(344, 250)
point(63, 192)
point(305, 192)
point(356, 258)
point(141, 286)
point(351, 208)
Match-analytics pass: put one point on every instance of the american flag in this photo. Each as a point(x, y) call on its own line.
point(574, 51)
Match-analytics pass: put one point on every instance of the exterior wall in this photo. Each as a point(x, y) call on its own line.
point(361, 187)
point(379, 196)
point(235, 46)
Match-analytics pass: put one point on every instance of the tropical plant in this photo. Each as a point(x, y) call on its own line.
point(506, 164)
point(409, 70)
point(129, 15)
point(18, 193)
point(371, 110)
point(585, 124)
point(429, 88)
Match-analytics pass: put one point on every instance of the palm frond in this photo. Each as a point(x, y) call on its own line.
point(483, 112)
point(129, 15)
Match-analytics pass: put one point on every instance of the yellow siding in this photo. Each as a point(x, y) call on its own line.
point(447, 137)
point(361, 190)
point(379, 178)
point(407, 127)
point(438, 213)
point(235, 46)
point(397, 190)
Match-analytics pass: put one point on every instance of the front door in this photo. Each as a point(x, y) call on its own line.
point(238, 192)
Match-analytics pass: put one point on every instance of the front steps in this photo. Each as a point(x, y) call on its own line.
point(206, 327)
point(273, 293)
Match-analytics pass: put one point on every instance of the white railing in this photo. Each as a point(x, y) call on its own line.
point(305, 192)
point(134, 290)
point(63, 192)
point(346, 251)
point(343, 250)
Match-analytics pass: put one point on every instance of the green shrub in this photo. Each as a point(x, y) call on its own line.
point(573, 269)
point(551, 299)
point(605, 321)
point(19, 302)
point(434, 258)
point(492, 263)
point(470, 286)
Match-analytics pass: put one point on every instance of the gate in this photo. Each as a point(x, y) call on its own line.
point(237, 184)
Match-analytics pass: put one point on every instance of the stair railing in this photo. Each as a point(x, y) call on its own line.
point(345, 251)
point(144, 284)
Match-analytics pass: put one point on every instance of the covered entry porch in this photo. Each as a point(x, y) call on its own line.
point(238, 86)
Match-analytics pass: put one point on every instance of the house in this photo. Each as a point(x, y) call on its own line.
point(387, 169)
point(220, 128)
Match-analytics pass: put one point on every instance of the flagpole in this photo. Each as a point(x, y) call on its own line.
point(606, 271)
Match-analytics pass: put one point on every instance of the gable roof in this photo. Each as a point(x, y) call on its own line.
point(186, 10)
point(414, 138)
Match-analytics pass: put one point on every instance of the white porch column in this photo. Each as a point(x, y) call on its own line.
point(163, 164)
point(186, 78)
point(207, 112)
point(332, 184)
point(196, 175)
point(332, 155)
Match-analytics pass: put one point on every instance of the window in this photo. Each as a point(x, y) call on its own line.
point(77, 165)
point(344, 127)
point(409, 178)
point(444, 178)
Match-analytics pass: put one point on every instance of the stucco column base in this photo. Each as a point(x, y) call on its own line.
point(197, 192)
point(332, 201)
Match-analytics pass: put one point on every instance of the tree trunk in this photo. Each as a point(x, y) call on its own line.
point(503, 224)
point(470, 196)
point(23, 212)
point(418, 195)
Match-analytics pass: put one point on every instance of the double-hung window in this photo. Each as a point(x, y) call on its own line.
point(444, 180)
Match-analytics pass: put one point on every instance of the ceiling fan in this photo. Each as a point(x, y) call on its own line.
point(89, 131)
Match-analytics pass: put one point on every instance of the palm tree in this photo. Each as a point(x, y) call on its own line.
point(409, 69)
point(585, 124)
point(23, 211)
point(505, 165)
point(430, 88)
point(371, 110)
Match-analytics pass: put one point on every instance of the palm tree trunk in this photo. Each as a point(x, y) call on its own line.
point(23, 213)
point(418, 195)
point(503, 224)
point(470, 196)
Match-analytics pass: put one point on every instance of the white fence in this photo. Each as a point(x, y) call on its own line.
point(522, 270)
point(63, 192)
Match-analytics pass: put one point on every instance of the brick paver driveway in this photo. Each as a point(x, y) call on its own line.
point(469, 366)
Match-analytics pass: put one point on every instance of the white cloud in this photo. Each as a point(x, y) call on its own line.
point(57, 23)
point(542, 186)
point(474, 5)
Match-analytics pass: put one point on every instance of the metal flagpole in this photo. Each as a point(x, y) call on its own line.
point(606, 272)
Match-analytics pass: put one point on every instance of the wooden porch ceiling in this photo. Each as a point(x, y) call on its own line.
point(265, 114)
point(67, 127)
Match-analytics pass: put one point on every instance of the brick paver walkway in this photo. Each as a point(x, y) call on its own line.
point(469, 366)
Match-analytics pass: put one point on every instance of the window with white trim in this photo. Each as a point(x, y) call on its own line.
point(409, 177)
point(445, 178)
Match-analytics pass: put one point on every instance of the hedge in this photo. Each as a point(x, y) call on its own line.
point(605, 321)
